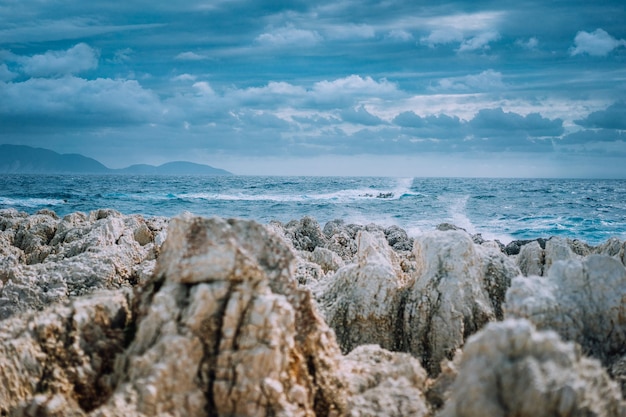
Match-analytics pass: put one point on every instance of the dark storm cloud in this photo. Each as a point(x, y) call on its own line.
point(614, 117)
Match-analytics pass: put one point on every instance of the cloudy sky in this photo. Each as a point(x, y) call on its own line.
point(341, 87)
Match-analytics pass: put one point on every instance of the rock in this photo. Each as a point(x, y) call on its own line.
point(223, 329)
point(360, 301)
point(582, 300)
point(498, 271)
point(557, 249)
point(448, 300)
point(531, 259)
point(514, 247)
point(617, 370)
point(46, 259)
point(444, 227)
point(438, 389)
point(341, 239)
point(326, 259)
point(510, 369)
point(305, 234)
point(613, 247)
point(383, 383)
point(60, 361)
point(398, 238)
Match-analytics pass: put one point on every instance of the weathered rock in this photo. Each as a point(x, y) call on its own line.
point(510, 369)
point(44, 259)
point(557, 249)
point(613, 247)
point(531, 259)
point(398, 238)
point(341, 239)
point(60, 361)
point(305, 234)
point(498, 271)
point(448, 301)
point(360, 301)
point(582, 300)
point(224, 330)
point(514, 247)
point(383, 383)
point(326, 259)
point(617, 370)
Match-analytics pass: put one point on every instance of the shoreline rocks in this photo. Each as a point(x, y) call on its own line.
point(104, 314)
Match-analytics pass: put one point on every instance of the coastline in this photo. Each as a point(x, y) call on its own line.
point(285, 316)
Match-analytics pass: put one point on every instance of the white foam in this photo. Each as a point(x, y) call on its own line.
point(30, 202)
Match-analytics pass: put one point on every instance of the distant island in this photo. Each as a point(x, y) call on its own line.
point(20, 159)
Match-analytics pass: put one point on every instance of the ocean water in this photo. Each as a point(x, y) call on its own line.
point(504, 209)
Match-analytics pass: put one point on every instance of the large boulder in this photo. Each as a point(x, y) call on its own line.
point(223, 329)
point(448, 300)
point(361, 300)
point(582, 300)
point(510, 369)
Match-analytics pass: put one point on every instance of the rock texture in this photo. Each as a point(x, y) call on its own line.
point(385, 384)
point(510, 369)
point(451, 296)
point(44, 259)
point(582, 300)
point(62, 358)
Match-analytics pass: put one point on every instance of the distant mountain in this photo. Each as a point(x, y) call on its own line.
point(175, 168)
point(19, 159)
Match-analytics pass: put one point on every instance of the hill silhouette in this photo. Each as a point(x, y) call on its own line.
point(20, 159)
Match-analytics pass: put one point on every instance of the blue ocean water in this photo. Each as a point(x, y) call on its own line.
point(504, 209)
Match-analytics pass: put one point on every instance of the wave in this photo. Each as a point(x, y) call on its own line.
point(30, 202)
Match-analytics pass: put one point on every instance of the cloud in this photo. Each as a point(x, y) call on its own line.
point(289, 36)
point(399, 35)
point(349, 31)
point(78, 58)
point(497, 123)
point(345, 90)
point(596, 43)
point(594, 136)
point(480, 41)
point(184, 77)
point(189, 56)
point(6, 74)
point(361, 116)
point(488, 80)
point(530, 44)
point(442, 36)
point(614, 117)
point(69, 102)
point(122, 55)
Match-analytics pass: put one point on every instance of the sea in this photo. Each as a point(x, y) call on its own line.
point(503, 209)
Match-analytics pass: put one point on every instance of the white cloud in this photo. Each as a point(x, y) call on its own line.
point(78, 58)
point(470, 27)
point(596, 43)
point(184, 77)
point(5, 73)
point(350, 31)
point(203, 88)
point(442, 36)
point(399, 35)
point(480, 41)
point(355, 84)
point(122, 55)
point(289, 36)
point(530, 44)
point(190, 56)
point(488, 80)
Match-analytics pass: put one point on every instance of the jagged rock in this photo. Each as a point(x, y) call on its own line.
point(383, 383)
point(531, 259)
point(360, 301)
point(341, 239)
point(557, 249)
point(398, 238)
point(305, 234)
point(510, 369)
point(60, 361)
point(498, 271)
point(326, 259)
point(514, 247)
point(448, 301)
point(223, 329)
point(582, 300)
point(438, 389)
point(615, 248)
point(617, 370)
point(47, 259)
point(445, 227)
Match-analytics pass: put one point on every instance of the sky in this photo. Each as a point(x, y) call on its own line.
point(342, 87)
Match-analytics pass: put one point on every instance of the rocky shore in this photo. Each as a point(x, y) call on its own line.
point(104, 314)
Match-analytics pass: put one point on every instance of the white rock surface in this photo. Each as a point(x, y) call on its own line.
point(510, 369)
